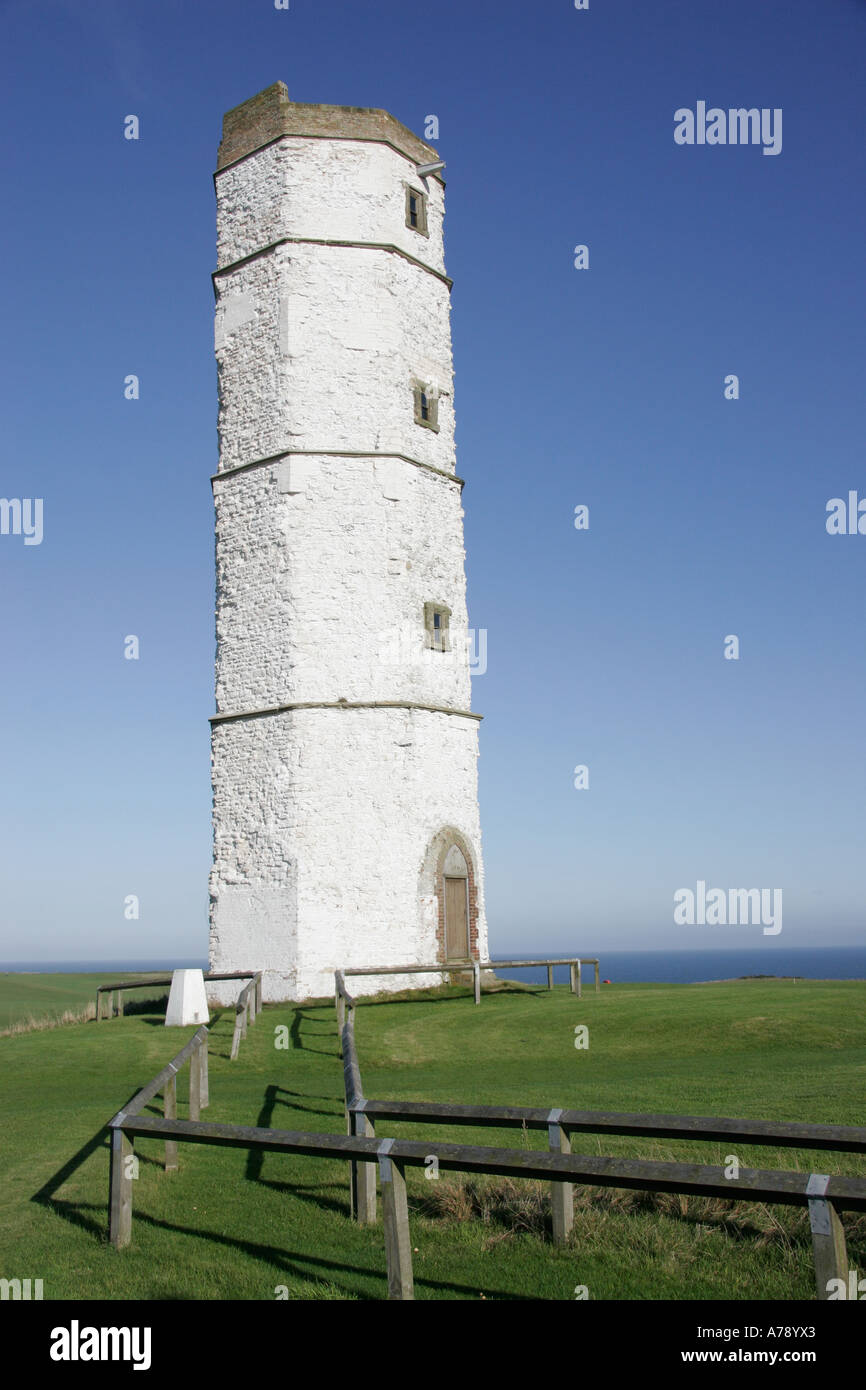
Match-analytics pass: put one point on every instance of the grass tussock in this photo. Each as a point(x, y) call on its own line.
point(38, 1025)
point(512, 1207)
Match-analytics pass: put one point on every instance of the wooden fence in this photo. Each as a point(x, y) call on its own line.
point(574, 964)
point(122, 1155)
point(823, 1194)
point(249, 1006)
point(105, 1002)
point(366, 1153)
point(457, 967)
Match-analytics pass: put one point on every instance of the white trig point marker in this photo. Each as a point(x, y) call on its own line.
point(187, 1002)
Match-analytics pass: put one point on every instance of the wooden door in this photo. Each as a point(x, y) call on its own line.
point(456, 919)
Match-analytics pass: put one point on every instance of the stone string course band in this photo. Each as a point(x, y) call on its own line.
point(371, 454)
point(331, 241)
point(340, 704)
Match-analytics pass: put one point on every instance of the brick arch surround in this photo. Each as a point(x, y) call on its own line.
point(434, 869)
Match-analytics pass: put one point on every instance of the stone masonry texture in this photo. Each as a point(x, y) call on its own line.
point(344, 750)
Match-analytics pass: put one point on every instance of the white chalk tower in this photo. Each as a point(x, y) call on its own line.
point(346, 826)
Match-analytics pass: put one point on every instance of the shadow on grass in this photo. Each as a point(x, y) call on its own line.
point(93, 1219)
point(376, 1001)
point(304, 1266)
point(302, 1016)
point(312, 1194)
point(45, 1196)
point(311, 1013)
point(157, 1020)
point(156, 1004)
point(72, 1211)
point(273, 1098)
point(448, 995)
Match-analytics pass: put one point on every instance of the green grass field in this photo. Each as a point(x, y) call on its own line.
point(232, 1225)
point(35, 998)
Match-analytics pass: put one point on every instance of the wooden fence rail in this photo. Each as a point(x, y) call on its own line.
point(105, 1003)
point(777, 1133)
point(362, 1176)
point(826, 1195)
point(249, 1006)
point(574, 964)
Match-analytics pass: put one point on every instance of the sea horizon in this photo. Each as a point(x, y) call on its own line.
point(653, 965)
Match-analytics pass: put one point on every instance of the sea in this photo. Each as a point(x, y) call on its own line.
point(690, 967)
point(674, 967)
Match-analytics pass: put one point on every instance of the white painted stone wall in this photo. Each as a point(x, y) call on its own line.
point(317, 347)
point(322, 592)
point(341, 190)
point(326, 554)
point(323, 819)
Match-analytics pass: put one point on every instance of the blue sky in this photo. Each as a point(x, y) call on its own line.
point(603, 387)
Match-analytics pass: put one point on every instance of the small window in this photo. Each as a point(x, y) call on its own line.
point(436, 617)
point(416, 210)
point(426, 406)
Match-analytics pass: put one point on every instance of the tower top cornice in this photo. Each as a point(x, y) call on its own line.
point(271, 115)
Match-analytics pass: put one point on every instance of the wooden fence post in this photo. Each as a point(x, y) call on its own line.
point(579, 980)
point(829, 1250)
point(550, 977)
point(120, 1189)
point(120, 1003)
point(169, 1096)
point(363, 1175)
point(195, 1085)
point(236, 1038)
point(203, 1064)
point(561, 1193)
point(597, 984)
point(398, 1247)
point(340, 1005)
point(259, 993)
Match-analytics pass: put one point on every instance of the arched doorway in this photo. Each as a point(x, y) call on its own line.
point(449, 897)
point(455, 894)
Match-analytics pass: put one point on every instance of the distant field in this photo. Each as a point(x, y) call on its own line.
point(229, 1225)
point(40, 996)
